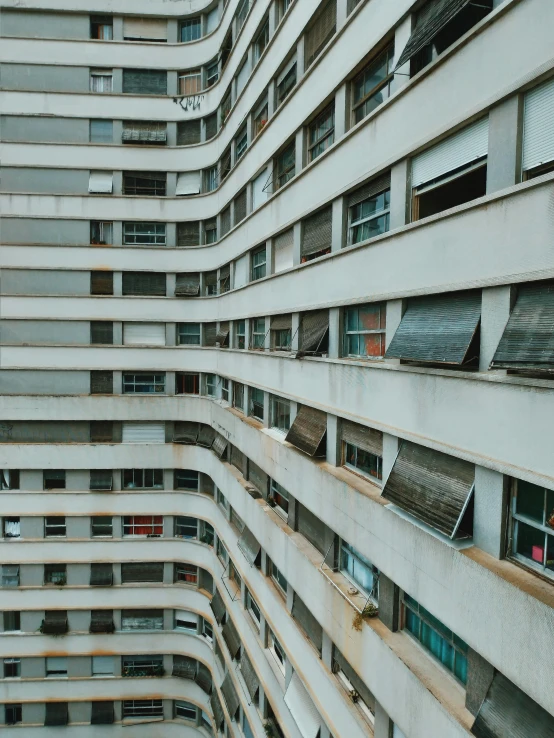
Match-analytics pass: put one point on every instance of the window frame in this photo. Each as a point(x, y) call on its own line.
point(189, 331)
point(359, 469)
point(546, 529)
point(185, 529)
point(257, 267)
point(255, 403)
point(105, 232)
point(253, 610)
point(275, 648)
point(210, 384)
point(141, 480)
point(131, 524)
point(184, 705)
point(95, 524)
point(187, 383)
point(276, 575)
point(12, 664)
point(260, 119)
point(104, 74)
point(141, 233)
point(315, 145)
point(183, 85)
point(365, 331)
point(211, 78)
point(51, 527)
point(274, 402)
point(276, 494)
point(225, 389)
point(142, 708)
point(388, 52)
point(349, 552)
point(263, 34)
point(195, 26)
point(185, 573)
point(241, 143)
point(288, 82)
point(135, 185)
point(238, 396)
point(138, 383)
point(285, 166)
point(48, 477)
point(210, 181)
point(192, 477)
point(55, 574)
point(377, 215)
point(240, 334)
point(255, 333)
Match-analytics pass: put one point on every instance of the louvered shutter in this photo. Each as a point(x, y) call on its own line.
point(101, 183)
point(438, 329)
point(144, 283)
point(55, 622)
point(281, 322)
point(355, 680)
point(249, 675)
point(222, 336)
point(509, 712)
point(258, 478)
point(206, 436)
point(102, 713)
point(458, 150)
point(361, 436)
point(101, 431)
point(283, 245)
point(528, 339)
point(142, 620)
point(259, 193)
point(185, 432)
point(538, 126)
point(210, 333)
point(231, 637)
point(56, 713)
point(101, 383)
point(217, 710)
point(188, 234)
point(101, 621)
point(370, 189)
point(230, 695)
point(249, 545)
point(218, 608)
point(303, 615)
point(203, 678)
point(238, 460)
point(188, 132)
point(143, 433)
point(184, 667)
point(101, 480)
point(302, 708)
point(144, 132)
point(145, 28)
point(433, 487)
point(138, 334)
point(321, 31)
point(312, 528)
point(101, 283)
point(101, 332)
point(148, 571)
point(430, 20)
point(315, 326)
point(308, 430)
point(210, 122)
point(145, 81)
point(188, 183)
point(225, 223)
point(219, 445)
point(101, 575)
point(240, 207)
point(316, 233)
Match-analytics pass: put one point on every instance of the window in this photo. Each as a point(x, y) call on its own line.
point(261, 41)
point(190, 82)
point(102, 666)
point(210, 183)
point(56, 666)
point(186, 479)
point(285, 166)
point(186, 527)
point(236, 521)
point(260, 119)
point(258, 333)
point(13, 713)
point(187, 573)
point(533, 526)
point(222, 552)
point(12, 668)
point(256, 403)
point(280, 497)
point(225, 166)
point(286, 82)
point(54, 526)
point(185, 710)
point(101, 80)
point(238, 396)
point(191, 30)
point(373, 85)
point(258, 263)
point(364, 331)
point(10, 575)
point(225, 109)
point(222, 500)
point(141, 666)
point(145, 132)
point(278, 577)
point(101, 525)
point(242, 12)
point(363, 461)
point(280, 413)
point(143, 479)
point(284, 5)
point(187, 384)
point(225, 277)
point(12, 620)
point(145, 234)
point(369, 218)
point(246, 729)
point(281, 339)
point(277, 651)
point(188, 334)
point(101, 131)
point(360, 570)
point(454, 188)
point(142, 708)
point(101, 232)
point(9, 479)
point(207, 630)
point(12, 528)
point(186, 621)
point(150, 184)
point(241, 143)
point(321, 133)
point(253, 609)
point(55, 574)
point(450, 650)
point(240, 334)
point(234, 576)
point(206, 533)
point(211, 384)
point(225, 389)
point(143, 384)
point(143, 525)
point(212, 73)
point(53, 479)
point(101, 27)
point(142, 620)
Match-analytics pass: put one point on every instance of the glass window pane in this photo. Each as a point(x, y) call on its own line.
point(530, 543)
point(530, 500)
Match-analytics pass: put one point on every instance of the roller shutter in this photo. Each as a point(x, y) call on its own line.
point(316, 233)
point(438, 329)
point(203, 678)
point(217, 710)
point(238, 460)
point(308, 430)
point(240, 207)
point(144, 283)
point(101, 383)
point(144, 132)
point(101, 283)
point(528, 339)
point(101, 332)
point(206, 436)
point(101, 575)
point(136, 334)
point(102, 713)
point(225, 278)
point(308, 623)
point(302, 708)
point(249, 545)
point(210, 333)
point(321, 31)
point(230, 695)
point(218, 608)
point(225, 223)
point(101, 431)
point(249, 675)
point(184, 667)
point(101, 480)
point(101, 183)
point(283, 245)
point(509, 712)
point(56, 713)
point(315, 326)
point(464, 147)
point(258, 478)
point(145, 81)
point(55, 622)
point(312, 528)
point(147, 29)
point(188, 183)
point(538, 126)
point(147, 571)
point(361, 436)
point(219, 445)
point(432, 486)
point(142, 620)
point(188, 132)
point(143, 433)
point(188, 234)
point(185, 432)
point(281, 322)
point(231, 637)
point(101, 621)
point(370, 189)
point(210, 122)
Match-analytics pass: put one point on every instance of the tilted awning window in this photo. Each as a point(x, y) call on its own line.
point(316, 233)
point(249, 545)
point(56, 713)
point(187, 285)
point(433, 487)
point(206, 436)
point(438, 329)
point(222, 335)
point(303, 615)
point(370, 189)
point(507, 711)
point(184, 667)
point(218, 608)
point(185, 431)
point(55, 622)
point(308, 430)
point(315, 326)
point(101, 480)
point(148, 571)
point(230, 695)
point(101, 575)
point(217, 710)
point(231, 637)
point(258, 478)
point(203, 678)
point(368, 439)
point(102, 713)
point(249, 675)
point(101, 621)
point(302, 708)
point(528, 339)
point(219, 445)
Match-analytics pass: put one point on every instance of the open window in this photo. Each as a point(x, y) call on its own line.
point(373, 85)
point(308, 431)
point(538, 131)
point(532, 526)
point(145, 184)
point(101, 27)
point(187, 383)
point(316, 235)
point(362, 449)
point(285, 81)
point(322, 29)
point(144, 132)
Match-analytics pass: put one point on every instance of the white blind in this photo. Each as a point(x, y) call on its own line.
point(211, 20)
point(143, 433)
point(462, 148)
point(188, 183)
point(538, 126)
point(259, 196)
point(155, 28)
point(241, 271)
point(100, 182)
point(302, 708)
point(283, 250)
point(102, 664)
point(242, 76)
point(185, 616)
point(152, 334)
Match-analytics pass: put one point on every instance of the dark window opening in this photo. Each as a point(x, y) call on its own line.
point(188, 384)
point(468, 186)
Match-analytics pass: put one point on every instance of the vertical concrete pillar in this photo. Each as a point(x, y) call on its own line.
point(300, 151)
point(171, 234)
point(334, 333)
point(390, 451)
point(117, 236)
point(338, 223)
point(269, 257)
point(295, 332)
point(273, 16)
point(490, 511)
point(300, 60)
point(341, 111)
point(117, 333)
point(267, 341)
point(271, 99)
point(171, 184)
point(496, 304)
point(117, 31)
point(297, 242)
point(267, 410)
point(117, 183)
point(117, 284)
point(172, 31)
point(118, 383)
point(395, 311)
point(342, 13)
point(504, 154)
point(400, 191)
point(333, 440)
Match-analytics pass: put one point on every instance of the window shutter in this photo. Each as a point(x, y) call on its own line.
point(368, 439)
point(312, 528)
point(143, 433)
point(538, 126)
point(249, 545)
point(258, 478)
point(370, 189)
point(139, 334)
point(249, 675)
point(56, 713)
point(101, 480)
point(147, 571)
point(210, 122)
point(101, 183)
point(316, 233)
point(238, 460)
point(144, 283)
point(185, 432)
point(225, 278)
point(230, 695)
point(102, 713)
point(188, 132)
point(206, 436)
point(231, 637)
point(464, 147)
point(101, 431)
point(528, 339)
point(321, 31)
point(101, 383)
point(218, 608)
point(222, 335)
point(308, 623)
point(188, 234)
point(55, 622)
point(203, 678)
point(210, 333)
point(438, 329)
point(281, 322)
point(308, 430)
point(433, 487)
point(142, 620)
point(219, 445)
point(184, 667)
point(240, 207)
point(144, 132)
point(217, 710)
point(145, 28)
point(205, 580)
point(101, 621)
point(302, 708)
point(283, 245)
point(430, 20)
point(101, 332)
point(101, 283)
point(145, 81)
point(315, 326)
point(101, 575)
point(225, 221)
point(188, 183)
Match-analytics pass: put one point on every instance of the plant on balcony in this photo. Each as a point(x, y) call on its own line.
point(370, 611)
point(270, 729)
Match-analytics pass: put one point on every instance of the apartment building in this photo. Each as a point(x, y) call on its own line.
point(276, 325)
